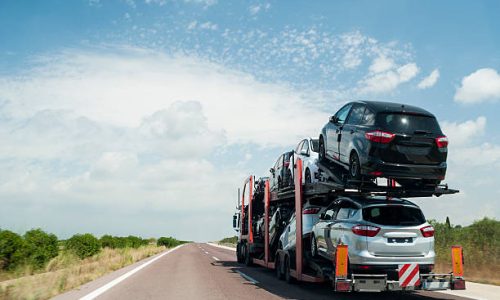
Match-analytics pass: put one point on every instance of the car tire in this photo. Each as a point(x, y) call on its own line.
point(277, 265)
point(290, 178)
point(288, 275)
point(354, 166)
point(308, 178)
point(322, 150)
point(314, 246)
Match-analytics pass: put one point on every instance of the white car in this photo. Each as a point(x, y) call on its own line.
point(308, 151)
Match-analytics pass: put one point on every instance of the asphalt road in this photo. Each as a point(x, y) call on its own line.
point(202, 271)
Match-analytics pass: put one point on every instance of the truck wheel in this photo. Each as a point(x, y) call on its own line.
point(288, 275)
point(248, 258)
point(277, 265)
point(239, 256)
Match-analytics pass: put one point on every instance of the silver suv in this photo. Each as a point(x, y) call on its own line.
point(380, 233)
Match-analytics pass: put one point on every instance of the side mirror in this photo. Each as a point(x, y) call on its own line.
point(333, 119)
point(321, 217)
point(235, 221)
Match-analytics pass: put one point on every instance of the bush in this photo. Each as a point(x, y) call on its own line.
point(12, 250)
point(108, 241)
point(40, 247)
point(168, 242)
point(83, 245)
point(229, 240)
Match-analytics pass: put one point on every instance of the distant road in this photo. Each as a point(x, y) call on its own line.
point(202, 271)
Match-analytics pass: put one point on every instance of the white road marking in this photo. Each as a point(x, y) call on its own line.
point(247, 277)
point(223, 247)
point(206, 252)
point(215, 258)
point(112, 283)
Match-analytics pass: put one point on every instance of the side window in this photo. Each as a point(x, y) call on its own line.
point(342, 114)
point(346, 211)
point(278, 162)
point(356, 115)
point(368, 118)
point(305, 147)
point(299, 146)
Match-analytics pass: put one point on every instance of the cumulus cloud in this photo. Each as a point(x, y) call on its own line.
point(256, 8)
point(480, 86)
point(137, 137)
point(429, 81)
point(381, 64)
point(460, 134)
point(389, 80)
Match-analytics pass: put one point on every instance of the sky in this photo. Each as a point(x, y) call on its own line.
point(145, 116)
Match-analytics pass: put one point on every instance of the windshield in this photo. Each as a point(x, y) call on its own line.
point(409, 124)
point(394, 215)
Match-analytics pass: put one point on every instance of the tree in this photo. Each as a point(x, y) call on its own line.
point(83, 245)
point(12, 250)
point(41, 247)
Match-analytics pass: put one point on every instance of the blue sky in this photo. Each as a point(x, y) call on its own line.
point(143, 117)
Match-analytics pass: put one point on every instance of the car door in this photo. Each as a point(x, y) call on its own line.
point(348, 132)
point(290, 234)
point(333, 131)
point(322, 231)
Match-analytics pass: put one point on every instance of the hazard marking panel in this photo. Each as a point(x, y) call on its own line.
point(409, 275)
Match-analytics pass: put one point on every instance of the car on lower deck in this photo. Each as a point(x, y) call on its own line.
point(380, 234)
point(310, 216)
point(382, 139)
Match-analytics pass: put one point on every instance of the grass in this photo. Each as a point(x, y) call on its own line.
point(66, 272)
point(229, 242)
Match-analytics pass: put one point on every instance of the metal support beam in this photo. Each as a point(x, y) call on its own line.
point(298, 218)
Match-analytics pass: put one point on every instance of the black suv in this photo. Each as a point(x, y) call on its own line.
point(382, 139)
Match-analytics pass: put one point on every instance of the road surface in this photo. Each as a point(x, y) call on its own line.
point(202, 271)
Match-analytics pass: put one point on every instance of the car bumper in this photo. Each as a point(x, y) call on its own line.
point(378, 168)
point(365, 258)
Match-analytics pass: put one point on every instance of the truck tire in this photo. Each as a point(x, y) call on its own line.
point(239, 257)
point(248, 258)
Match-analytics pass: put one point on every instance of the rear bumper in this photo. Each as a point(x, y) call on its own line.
point(365, 258)
point(404, 171)
point(390, 270)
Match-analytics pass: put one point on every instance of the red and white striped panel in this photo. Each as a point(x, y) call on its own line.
point(409, 275)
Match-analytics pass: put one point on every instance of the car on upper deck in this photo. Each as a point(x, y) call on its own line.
point(383, 139)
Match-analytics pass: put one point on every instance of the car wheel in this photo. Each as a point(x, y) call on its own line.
point(277, 265)
point(308, 176)
point(288, 275)
point(354, 166)
point(290, 178)
point(322, 150)
point(238, 253)
point(314, 246)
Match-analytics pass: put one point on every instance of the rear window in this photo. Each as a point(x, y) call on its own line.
point(394, 215)
point(408, 124)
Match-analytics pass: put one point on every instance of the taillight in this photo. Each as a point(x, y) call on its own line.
point(365, 230)
point(427, 231)
point(442, 142)
point(380, 136)
point(310, 211)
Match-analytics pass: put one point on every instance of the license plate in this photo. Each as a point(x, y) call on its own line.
point(413, 150)
point(400, 240)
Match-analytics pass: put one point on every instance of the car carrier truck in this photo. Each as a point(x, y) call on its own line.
point(257, 241)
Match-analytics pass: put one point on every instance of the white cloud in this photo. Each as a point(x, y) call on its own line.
point(460, 134)
point(482, 85)
point(381, 64)
point(430, 80)
point(388, 80)
point(131, 136)
point(208, 26)
point(255, 9)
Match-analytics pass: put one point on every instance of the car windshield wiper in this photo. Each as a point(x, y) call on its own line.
point(418, 131)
